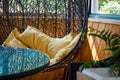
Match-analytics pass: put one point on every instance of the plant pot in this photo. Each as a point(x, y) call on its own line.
point(99, 74)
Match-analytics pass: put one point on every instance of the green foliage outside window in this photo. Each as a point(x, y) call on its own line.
point(109, 7)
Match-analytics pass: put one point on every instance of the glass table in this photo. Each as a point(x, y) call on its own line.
point(20, 62)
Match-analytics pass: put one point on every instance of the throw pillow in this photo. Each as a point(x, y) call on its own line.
point(16, 43)
point(14, 33)
point(56, 44)
point(65, 51)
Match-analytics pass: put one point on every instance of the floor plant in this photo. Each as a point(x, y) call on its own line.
point(113, 42)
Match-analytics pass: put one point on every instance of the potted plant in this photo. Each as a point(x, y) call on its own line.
point(113, 42)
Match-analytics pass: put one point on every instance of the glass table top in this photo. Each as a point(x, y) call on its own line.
point(20, 61)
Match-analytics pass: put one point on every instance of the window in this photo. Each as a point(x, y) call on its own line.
point(109, 9)
point(106, 7)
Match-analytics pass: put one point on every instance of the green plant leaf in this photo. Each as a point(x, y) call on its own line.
point(101, 33)
point(108, 38)
point(115, 69)
point(116, 51)
point(113, 42)
point(88, 64)
point(95, 35)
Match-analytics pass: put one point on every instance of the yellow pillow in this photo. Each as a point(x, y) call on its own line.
point(28, 36)
point(16, 43)
point(56, 44)
point(41, 42)
point(65, 51)
point(14, 33)
point(35, 39)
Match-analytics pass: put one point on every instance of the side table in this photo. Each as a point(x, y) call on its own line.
point(20, 62)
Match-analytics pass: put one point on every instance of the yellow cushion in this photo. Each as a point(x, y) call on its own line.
point(16, 43)
point(41, 42)
point(28, 36)
point(14, 33)
point(35, 39)
point(56, 44)
point(65, 51)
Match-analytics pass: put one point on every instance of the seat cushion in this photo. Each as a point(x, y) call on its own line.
point(16, 43)
point(14, 33)
point(56, 44)
point(41, 42)
point(35, 39)
point(38, 40)
point(28, 36)
point(13, 41)
point(62, 53)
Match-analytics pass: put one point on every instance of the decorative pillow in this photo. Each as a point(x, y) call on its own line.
point(56, 44)
point(35, 39)
point(65, 51)
point(16, 43)
point(28, 36)
point(14, 33)
point(41, 42)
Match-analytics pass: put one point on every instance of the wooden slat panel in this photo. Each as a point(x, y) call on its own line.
point(85, 53)
point(93, 43)
point(108, 27)
point(97, 45)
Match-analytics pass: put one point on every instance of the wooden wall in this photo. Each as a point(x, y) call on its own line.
point(93, 47)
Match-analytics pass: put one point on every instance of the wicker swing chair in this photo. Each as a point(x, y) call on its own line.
point(53, 17)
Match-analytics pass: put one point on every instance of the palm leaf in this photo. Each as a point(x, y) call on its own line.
point(116, 51)
point(113, 41)
point(95, 35)
point(108, 34)
point(115, 69)
point(104, 35)
point(101, 32)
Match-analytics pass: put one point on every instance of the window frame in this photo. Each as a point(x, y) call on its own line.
point(108, 17)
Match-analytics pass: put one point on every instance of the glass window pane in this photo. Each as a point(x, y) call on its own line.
point(106, 6)
point(109, 7)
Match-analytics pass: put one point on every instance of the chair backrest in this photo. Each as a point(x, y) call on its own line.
point(54, 17)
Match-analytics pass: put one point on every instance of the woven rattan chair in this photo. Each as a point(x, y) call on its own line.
point(54, 17)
